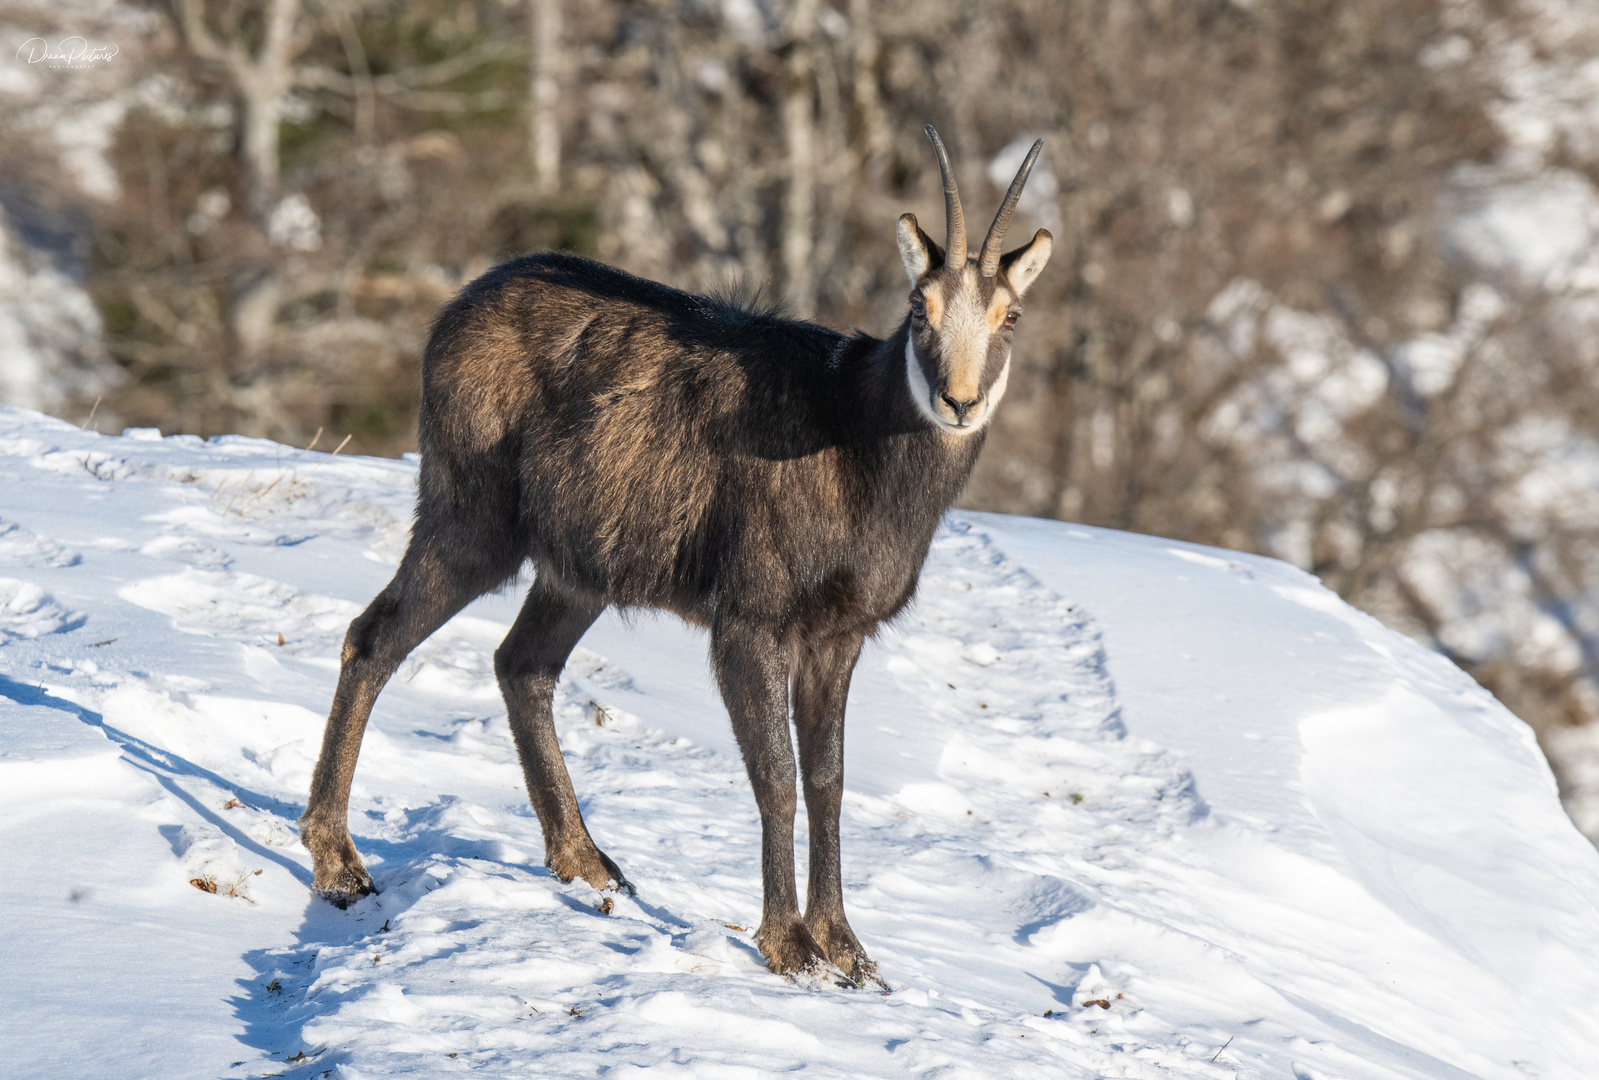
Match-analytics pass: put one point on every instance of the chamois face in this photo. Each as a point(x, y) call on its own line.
point(964, 308)
point(957, 355)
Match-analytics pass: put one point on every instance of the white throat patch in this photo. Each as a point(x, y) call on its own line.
point(922, 394)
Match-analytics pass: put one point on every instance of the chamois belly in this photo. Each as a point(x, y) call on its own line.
point(684, 540)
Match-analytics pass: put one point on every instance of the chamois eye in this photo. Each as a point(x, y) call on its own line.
point(918, 307)
point(1010, 319)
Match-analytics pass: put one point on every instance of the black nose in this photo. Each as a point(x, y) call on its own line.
point(961, 407)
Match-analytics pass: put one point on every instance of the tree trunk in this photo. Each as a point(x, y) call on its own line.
point(875, 138)
point(799, 200)
point(544, 130)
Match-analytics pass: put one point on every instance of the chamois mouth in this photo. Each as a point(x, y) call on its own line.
point(928, 401)
point(970, 420)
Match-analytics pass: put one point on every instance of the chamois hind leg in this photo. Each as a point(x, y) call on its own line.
point(528, 664)
point(426, 590)
point(821, 683)
point(752, 671)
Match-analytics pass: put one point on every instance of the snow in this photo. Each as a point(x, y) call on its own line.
point(1538, 233)
point(1272, 837)
point(1521, 234)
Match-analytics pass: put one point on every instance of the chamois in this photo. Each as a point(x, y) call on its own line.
point(773, 481)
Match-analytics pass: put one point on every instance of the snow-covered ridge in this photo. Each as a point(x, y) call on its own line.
point(1115, 806)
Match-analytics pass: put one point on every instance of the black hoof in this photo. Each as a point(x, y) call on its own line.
point(617, 882)
point(345, 893)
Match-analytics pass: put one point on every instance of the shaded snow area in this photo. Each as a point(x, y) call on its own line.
point(1115, 806)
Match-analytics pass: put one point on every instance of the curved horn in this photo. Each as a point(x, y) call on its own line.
point(988, 263)
point(955, 243)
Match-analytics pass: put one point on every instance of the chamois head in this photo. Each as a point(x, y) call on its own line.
point(957, 357)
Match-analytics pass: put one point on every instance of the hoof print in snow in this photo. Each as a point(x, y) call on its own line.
point(27, 611)
point(212, 862)
point(20, 547)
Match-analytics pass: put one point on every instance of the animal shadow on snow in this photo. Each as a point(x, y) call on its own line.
point(265, 1026)
point(168, 769)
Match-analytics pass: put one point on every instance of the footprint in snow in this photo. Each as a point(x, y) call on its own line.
point(596, 670)
point(210, 861)
point(186, 549)
point(20, 547)
point(244, 607)
point(1025, 706)
point(27, 611)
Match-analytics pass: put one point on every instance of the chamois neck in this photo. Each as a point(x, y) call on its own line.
point(912, 464)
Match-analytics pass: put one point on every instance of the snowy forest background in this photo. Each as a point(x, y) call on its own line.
point(1326, 283)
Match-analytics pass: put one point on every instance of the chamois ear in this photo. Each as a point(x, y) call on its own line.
point(917, 249)
point(1021, 266)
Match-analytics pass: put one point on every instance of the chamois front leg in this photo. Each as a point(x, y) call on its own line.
point(528, 664)
point(821, 685)
point(752, 671)
point(425, 592)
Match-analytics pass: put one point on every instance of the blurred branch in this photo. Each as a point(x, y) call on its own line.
point(191, 19)
point(325, 78)
point(401, 88)
point(361, 74)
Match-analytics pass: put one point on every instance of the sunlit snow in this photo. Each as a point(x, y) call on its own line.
point(1116, 806)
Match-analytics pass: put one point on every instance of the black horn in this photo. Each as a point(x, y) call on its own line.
point(955, 241)
point(994, 243)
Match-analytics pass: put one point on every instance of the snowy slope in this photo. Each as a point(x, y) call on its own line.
point(1272, 838)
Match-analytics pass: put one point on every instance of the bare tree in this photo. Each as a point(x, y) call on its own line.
point(262, 76)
